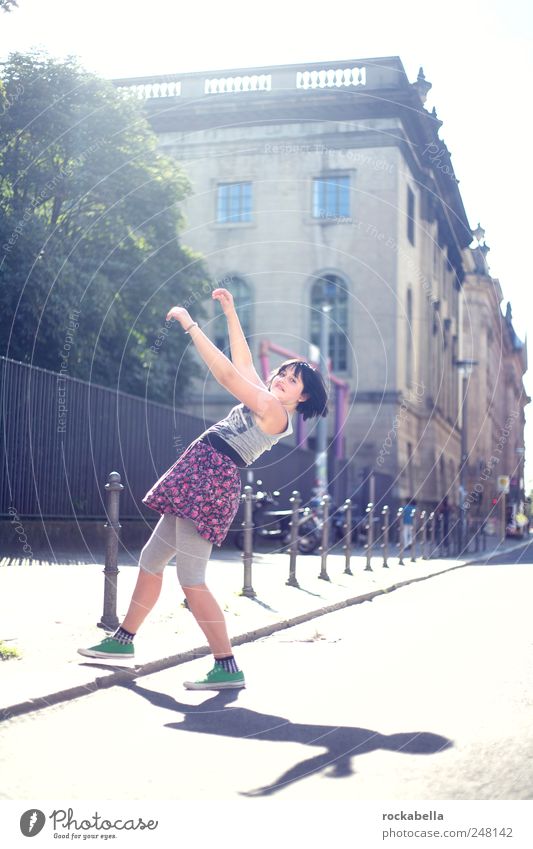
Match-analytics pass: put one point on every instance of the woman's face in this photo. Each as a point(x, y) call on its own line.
point(287, 387)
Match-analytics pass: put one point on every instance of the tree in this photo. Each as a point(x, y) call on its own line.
point(90, 223)
point(7, 5)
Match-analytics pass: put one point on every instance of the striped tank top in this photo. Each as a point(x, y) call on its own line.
point(240, 430)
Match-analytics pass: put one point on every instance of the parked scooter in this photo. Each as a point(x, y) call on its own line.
point(271, 523)
point(359, 525)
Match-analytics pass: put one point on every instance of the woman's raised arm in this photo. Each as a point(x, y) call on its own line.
point(255, 395)
point(217, 362)
point(241, 356)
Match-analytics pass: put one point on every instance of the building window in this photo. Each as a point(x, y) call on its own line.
point(234, 203)
point(410, 216)
point(331, 197)
point(242, 297)
point(332, 290)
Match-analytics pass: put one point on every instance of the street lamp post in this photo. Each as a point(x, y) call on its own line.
point(466, 368)
point(321, 463)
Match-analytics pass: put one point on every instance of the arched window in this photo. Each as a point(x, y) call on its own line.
point(242, 297)
point(332, 290)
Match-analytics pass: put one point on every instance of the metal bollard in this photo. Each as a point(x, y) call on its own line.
point(456, 536)
point(385, 529)
point(400, 532)
point(460, 529)
point(441, 534)
point(113, 487)
point(477, 535)
point(468, 534)
point(248, 554)
point(464, 535)
point(326, 501)
point(424, 518)
point(432, 519)
point(295, 500)
point(414, 535)
point(347, 535)
point(452, 535)
point(369, 536)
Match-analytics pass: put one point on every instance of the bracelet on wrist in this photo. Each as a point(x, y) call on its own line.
point(194, 324)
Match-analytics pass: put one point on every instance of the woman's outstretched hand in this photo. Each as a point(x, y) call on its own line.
point(224, 298)
point(181, 315)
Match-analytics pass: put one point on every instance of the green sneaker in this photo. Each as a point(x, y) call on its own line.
point(109, 647)
point(217, 679)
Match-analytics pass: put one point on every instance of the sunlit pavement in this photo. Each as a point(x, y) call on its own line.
point(423, 693)
point(49, 610)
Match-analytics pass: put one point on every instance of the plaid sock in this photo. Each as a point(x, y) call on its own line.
point(123, 636)
point(229, 664)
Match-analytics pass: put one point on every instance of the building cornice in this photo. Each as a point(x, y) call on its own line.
point(335, 91)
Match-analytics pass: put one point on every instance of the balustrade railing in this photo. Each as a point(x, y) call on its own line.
point(331, 78)
point(223, 85)
point(281, 77)
point(152, 90)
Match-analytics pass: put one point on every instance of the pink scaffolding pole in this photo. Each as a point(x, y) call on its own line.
point(341, 394)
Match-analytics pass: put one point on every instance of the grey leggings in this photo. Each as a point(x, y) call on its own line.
point(175, 536)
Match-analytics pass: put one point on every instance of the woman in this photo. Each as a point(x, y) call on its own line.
point(199, 495)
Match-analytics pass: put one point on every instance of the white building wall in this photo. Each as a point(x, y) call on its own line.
point(283, 250)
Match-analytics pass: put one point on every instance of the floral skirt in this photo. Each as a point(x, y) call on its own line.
point(203, 485)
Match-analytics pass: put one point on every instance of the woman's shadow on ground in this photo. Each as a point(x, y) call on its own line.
point(341, 743)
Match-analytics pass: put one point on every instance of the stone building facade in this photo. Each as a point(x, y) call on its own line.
point(494, 392)
point(315, 183)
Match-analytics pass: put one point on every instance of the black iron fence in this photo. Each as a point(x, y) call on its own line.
point(60, 437)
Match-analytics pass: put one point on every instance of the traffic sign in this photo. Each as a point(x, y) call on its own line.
point(503, 484)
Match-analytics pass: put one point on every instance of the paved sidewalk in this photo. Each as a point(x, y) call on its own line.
point(48, 610)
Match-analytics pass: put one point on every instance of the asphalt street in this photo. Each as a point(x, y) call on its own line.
point(423, 693)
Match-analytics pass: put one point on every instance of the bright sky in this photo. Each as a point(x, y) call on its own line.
point(477, 54)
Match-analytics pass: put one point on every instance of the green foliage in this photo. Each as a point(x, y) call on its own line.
point(90, 223)
point(8, 653)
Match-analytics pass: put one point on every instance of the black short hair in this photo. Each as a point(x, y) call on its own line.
point(316, 405)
